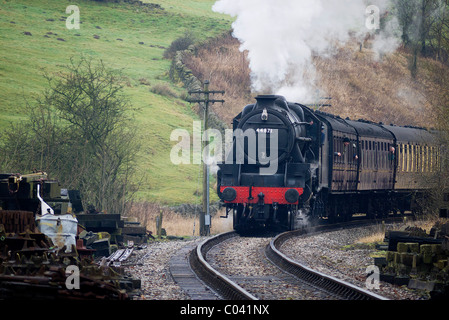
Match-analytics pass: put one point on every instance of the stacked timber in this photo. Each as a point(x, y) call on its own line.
point(106, 232)
point(417, 259)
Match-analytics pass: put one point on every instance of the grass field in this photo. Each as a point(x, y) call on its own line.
point(34, 39)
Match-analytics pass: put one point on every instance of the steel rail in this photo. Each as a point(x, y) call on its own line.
point(224, 286)
point(228, 289)
point(318, 279)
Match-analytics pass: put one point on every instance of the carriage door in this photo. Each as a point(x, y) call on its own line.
point(376, 163)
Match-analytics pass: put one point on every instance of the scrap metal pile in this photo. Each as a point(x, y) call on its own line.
point(42, 255)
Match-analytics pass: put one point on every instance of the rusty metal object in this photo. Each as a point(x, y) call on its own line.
point(42, 275)
point(34, 263)
point(17, 221)
point(32, 267)
point(119, 256)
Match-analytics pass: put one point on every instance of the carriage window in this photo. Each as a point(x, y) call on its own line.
point(420, 159)
point(415, 168)
point(338, 152)
point(431, 159)
point(437, 158)
point(364, 154)
point(379, 155)
point(407, 158)
point(415, 158)
point(404, 158)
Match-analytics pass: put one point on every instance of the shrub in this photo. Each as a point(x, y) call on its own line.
point(163, 90)
point(179, 44)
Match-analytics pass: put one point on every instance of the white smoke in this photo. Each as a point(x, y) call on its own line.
point(281, 37)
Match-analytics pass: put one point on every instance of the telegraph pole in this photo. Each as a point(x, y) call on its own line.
point(205, 213)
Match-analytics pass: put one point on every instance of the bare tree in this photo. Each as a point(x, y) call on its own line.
point(79, 131)
point(425, 28)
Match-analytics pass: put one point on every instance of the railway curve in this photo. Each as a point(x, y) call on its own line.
point(227, 288)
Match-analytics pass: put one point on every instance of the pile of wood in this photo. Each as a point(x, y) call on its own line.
point(107, 232)
point(417, 259)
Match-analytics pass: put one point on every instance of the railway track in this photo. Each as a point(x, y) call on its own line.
point(296, 277)
point(343, 289)
point(219, 282)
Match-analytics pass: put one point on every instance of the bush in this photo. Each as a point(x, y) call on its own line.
point(163, 90)
point(179, 44)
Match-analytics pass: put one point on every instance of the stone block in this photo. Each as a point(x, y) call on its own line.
point(386, 277)
point(427, 258)
point(436, 248)
point(402, 247)
point(421, 285)
point(397, 258)
point(417, 260)
point(401, 280)
point(390, 256)
point(413, 247)
point(440, 264)
point(425, 248)
point(380, 262)
point(407, 259)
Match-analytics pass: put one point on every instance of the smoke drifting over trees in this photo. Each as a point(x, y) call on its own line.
point(282, 37)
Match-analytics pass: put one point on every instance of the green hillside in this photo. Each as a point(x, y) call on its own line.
point(34, 39)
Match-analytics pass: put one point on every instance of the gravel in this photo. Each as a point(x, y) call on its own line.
point(151, 266)
point(244, 262)
point(339, 254)
point(335, 253)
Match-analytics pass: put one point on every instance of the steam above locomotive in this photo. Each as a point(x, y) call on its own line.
point(287, 159)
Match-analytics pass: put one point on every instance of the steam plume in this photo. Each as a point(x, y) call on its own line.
point(282, 36)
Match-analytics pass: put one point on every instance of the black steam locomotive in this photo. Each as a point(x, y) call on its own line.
point(289, 161)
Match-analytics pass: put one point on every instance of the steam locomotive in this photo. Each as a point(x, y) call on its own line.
point(289, 162)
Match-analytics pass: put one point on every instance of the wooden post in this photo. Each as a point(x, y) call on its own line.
point(205, 227)
point(159, 224)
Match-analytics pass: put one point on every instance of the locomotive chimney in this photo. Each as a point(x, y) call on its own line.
point(267, 101)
